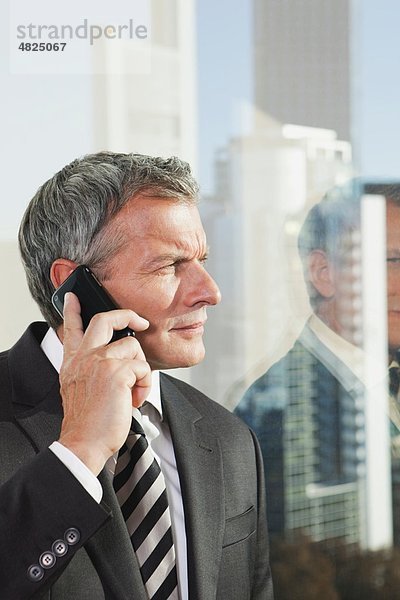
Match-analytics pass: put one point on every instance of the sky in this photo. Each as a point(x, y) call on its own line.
point(225, 81)
point(378, 95)
point(224, 75)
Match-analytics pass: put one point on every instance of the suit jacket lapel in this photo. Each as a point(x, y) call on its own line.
point(199, 465)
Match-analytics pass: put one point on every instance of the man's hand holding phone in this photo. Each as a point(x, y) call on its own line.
point(100, 382)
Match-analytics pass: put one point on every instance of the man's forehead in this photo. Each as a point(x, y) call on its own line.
point(162, 228)
point(393, 217)
point(185, 245)
point(393, 229)
point(162, 212)
point(178, 228)
point(148, 202)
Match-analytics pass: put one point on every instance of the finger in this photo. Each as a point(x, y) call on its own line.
point(73, 328)
point(125, 348)
point(142, 388)
point(101, 327)
point(142, 373)
point(136, 375)
point(140, 379)
point(139, 395)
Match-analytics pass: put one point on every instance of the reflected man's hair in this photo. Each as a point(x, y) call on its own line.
point(336, 216)
point(70, 214)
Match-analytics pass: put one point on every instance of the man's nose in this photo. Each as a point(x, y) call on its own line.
point(203, 289)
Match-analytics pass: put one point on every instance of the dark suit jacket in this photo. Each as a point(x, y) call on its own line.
point(222, 485)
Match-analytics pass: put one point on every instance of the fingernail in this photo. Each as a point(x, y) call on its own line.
point(67, 297)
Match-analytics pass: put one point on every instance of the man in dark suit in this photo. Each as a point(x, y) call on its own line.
point(68, 398)
point(308, 409)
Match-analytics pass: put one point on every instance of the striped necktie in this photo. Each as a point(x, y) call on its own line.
point(140, 488)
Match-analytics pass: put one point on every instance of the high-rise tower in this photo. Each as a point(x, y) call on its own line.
point(302, 62)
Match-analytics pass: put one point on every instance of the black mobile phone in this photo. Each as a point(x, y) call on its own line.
point(92, 296)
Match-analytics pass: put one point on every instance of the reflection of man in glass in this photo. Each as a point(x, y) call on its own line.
point(307, 408)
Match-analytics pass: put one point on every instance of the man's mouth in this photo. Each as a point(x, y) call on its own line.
point(190, 327)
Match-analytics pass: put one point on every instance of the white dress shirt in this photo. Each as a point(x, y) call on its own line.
point(159, 438)
point(350, 355)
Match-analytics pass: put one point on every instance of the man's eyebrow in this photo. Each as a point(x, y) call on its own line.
point(166, 258)
point(393, 251)
point(177, 256)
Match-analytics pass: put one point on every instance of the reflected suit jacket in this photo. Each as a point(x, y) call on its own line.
point(221, 478)
point(312, 383)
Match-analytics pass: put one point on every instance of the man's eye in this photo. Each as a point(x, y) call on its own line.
point(393, 261)
point(171, 268)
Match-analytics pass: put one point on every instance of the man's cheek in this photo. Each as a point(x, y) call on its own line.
point(394, 329)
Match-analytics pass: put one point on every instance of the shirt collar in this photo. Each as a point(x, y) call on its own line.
point(53, 349)
point(350, 355)
point(370, 373)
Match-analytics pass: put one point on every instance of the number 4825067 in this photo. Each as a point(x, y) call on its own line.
point(42, 46)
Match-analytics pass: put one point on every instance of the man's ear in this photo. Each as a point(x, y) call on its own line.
point(321, 273)
point(60, 270)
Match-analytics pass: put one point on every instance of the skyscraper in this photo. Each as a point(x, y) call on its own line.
point(303, 62)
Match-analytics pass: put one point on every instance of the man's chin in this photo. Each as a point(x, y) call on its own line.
point(186, 363)
point(178, 361)
point(394, 331)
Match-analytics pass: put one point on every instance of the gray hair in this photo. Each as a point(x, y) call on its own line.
point(334, 217)
point(69, 215)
